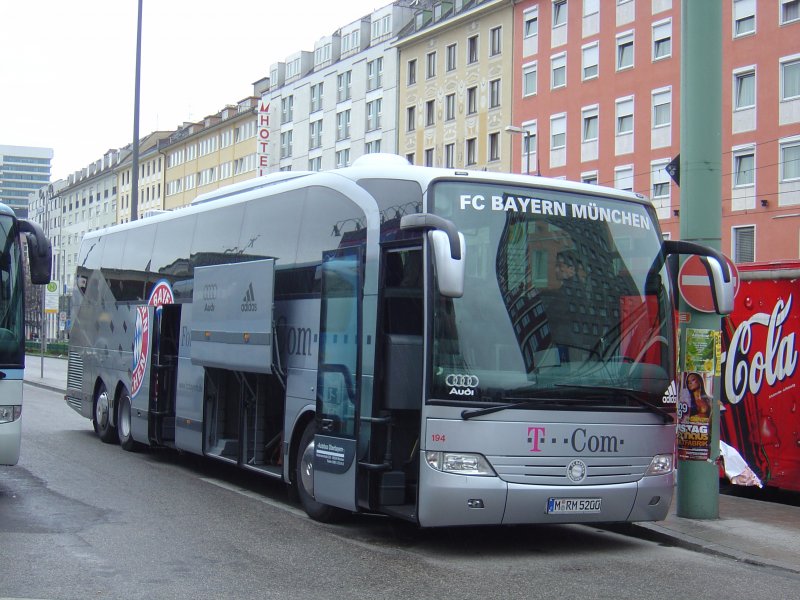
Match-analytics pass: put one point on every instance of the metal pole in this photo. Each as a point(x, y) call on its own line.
point(135, 160)
point(701, 210)
point(528, 137)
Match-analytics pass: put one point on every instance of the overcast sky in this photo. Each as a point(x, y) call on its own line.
point(67, 68)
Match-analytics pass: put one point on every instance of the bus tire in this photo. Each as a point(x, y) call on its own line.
point(124, 422)
point(304, 480)
point(101, 416)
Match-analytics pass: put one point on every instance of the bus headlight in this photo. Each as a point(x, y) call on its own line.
point(460, 463)
point(10, 413)
point(660, 465)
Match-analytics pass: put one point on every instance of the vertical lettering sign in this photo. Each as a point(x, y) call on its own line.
point(262, 153)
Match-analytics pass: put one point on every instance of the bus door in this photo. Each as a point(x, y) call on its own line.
point(337, 379)
point(163, 374)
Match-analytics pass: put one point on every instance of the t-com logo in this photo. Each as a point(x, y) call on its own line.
point(462, 385)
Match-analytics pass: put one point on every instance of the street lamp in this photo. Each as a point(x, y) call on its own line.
point(513, 129)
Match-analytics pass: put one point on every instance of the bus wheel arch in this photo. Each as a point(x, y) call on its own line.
point(303, 478)
point(103, 413)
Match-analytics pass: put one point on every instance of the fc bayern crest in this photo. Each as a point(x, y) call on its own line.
point(141, 349)
point(161, 294)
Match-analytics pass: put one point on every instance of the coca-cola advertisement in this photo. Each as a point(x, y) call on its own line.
point(759, 388)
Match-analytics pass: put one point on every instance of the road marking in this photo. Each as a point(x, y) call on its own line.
point(254, 496)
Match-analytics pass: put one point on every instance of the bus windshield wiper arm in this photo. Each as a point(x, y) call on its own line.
point(477, 412)
point(629, 394)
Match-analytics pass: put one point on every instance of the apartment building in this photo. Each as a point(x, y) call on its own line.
point(325, 108)
point(215, 152)
point(150, 182)
point(456, 85)
point(597, 98)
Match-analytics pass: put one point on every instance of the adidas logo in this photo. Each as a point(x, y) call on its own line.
point(249, 300)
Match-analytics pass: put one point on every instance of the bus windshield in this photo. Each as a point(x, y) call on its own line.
point(10, 295)
point(566, 300)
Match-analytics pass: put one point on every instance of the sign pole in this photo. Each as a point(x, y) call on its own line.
point(701, 216)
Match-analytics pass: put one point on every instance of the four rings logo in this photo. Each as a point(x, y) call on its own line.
point(209, 297)
point(462, 385)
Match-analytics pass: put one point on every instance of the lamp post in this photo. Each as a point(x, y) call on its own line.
point(513, 129)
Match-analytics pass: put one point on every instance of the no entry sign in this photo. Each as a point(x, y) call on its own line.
point(695, 286)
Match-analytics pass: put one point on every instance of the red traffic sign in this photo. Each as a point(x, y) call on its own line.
point(695, 286)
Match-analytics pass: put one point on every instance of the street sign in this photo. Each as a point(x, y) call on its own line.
point(695, 286)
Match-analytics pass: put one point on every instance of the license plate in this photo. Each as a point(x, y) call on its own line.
point(573, 505)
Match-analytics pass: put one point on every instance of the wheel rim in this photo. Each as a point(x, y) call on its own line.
point(101, 409)
point(307, 469)
point(125, 417)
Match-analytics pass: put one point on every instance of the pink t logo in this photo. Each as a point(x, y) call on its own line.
point(534, 439)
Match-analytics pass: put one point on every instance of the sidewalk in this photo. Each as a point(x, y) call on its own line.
point(751, 531)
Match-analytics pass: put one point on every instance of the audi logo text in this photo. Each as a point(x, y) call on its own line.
point(462, 385)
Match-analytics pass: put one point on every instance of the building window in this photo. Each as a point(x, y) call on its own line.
point(529, 79)
point(472, 100)
point(428, 157)
point(590, 178)
point(315, 164)
point(590, 124)
point(342, 158)
point(494, 147)
point(450, 57)
point(625, 51)
point(410, 158)
point(744, 89)
point(659, 181)
point(343, 83)
point(591, 61)
point(372, 147)
point(450, 107)
point(559, 13)
point(343, 125)
point(430, 113)
point(471, 151)
point(625, 116)
point(287, 110)
point(315, 134)
point(558, 66)
point(374, 114)
point(743, 168)
point(411, 118)
point(744, 246)
point(623, 178)
point(286, 144)
point(412, 72)
point(495, 41)
point(449, 156)
point(662, 40)
point(430, 65)
point(790, 161)
point(558, 132)
point(790, 79)
point(662, 108)
point(472, 50)
point(494, 93)
point(744, 17)
point(531, 24)
point(316, 97)
point(374, 73)
point(790, 11)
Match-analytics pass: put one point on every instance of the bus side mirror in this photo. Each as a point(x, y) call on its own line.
point(723, 286)
point(449, 270)
point(40, 252)
point(448, 250)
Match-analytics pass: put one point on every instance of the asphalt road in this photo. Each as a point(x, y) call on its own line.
point(83, 519)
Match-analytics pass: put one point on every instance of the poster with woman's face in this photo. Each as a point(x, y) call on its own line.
point(694, 416)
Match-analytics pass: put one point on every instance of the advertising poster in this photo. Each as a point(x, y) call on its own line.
point(697, 394)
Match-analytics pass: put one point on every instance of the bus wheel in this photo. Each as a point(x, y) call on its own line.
point(304, 479)
point(124, 422)
point(101, 418)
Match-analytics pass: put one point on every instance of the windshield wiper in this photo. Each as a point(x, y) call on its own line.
point(477, 412)
point(630, 394)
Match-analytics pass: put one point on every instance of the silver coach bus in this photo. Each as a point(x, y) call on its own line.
point(442, 346)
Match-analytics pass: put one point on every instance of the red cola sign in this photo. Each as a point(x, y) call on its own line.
point(760, 379)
